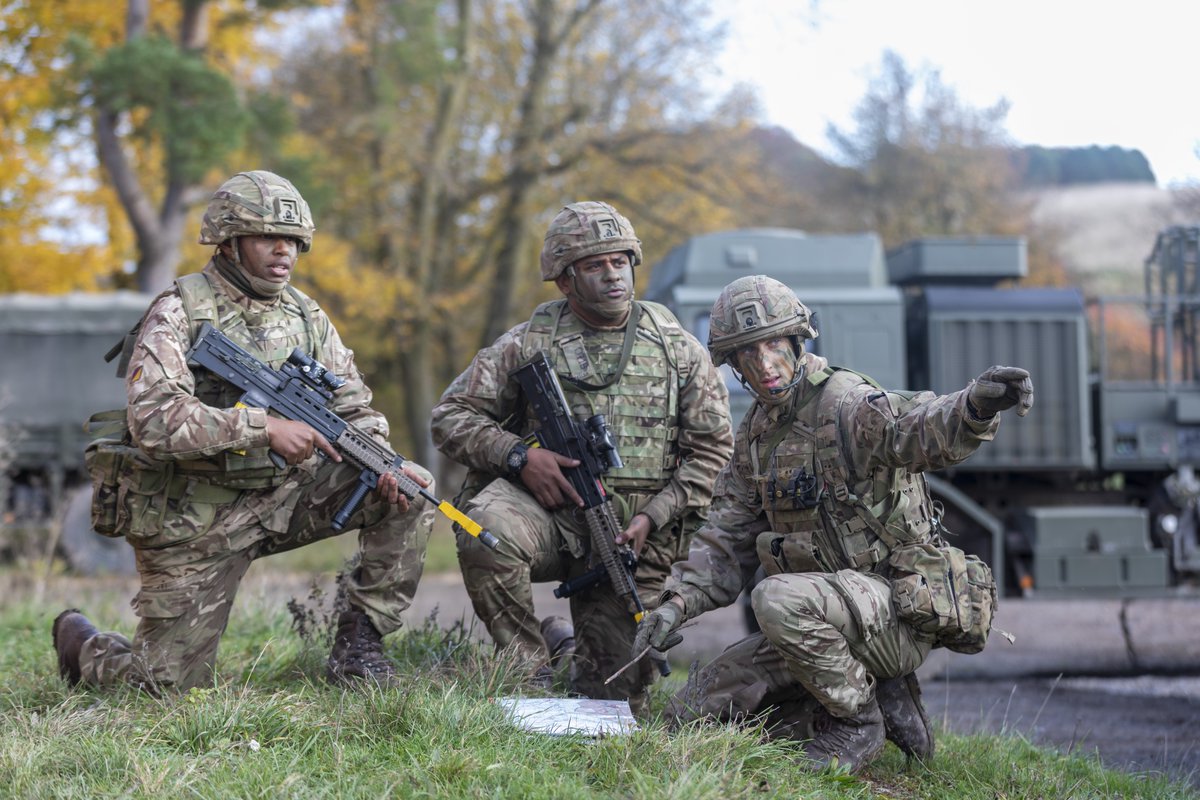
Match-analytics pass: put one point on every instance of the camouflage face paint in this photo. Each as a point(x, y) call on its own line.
point(599, 288)
point(768, 365)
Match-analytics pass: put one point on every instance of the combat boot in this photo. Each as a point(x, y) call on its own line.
point(850, 742)
point(542, 678)
point(357, 653)
point(70, 630)
point(904, 716)
point(559, 634)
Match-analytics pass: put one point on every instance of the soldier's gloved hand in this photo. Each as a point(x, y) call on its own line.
point(657, 629)
point(999, 389)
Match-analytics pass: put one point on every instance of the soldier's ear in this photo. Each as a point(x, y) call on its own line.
point(563, 282)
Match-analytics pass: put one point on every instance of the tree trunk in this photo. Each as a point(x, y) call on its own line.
point(527, 166)
point(158, 234)
point(428, 206)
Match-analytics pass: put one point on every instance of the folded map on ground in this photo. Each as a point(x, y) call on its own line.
point(562, 716)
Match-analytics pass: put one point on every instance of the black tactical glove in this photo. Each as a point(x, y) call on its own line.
point(999, 389)
point(657, 629)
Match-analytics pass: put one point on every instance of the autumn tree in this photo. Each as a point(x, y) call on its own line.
point(53, 235)
point(454, 131)
point(125, 113)
point(925, 163)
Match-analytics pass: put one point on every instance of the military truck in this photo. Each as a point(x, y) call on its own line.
point(1095, 492)
point(52, 378)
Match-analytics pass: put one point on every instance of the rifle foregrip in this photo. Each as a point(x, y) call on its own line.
point(350, 506)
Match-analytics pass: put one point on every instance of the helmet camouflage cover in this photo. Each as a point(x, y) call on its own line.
point(257, 203)
point(586, 229)
point(752, 308)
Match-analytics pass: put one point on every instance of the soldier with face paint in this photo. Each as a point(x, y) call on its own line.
point(205, 499)
point(668, 410)
point(825, 493)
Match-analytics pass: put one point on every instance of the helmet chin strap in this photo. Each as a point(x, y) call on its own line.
point(800, 373)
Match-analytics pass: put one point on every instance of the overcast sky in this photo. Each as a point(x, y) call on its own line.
point(1075, 73)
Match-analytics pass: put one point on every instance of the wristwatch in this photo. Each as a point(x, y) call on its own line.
point(517, 458)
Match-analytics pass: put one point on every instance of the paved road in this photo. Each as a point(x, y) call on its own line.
point(1147, 724)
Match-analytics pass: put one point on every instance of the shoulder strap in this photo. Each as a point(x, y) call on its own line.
point(199, 301)
point(671, 333)
point(124, 345)
point(306, 305)
point(832, 452)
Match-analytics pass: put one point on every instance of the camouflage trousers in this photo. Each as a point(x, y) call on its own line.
point(825, 638)
point(541, 546)
point(188, 586)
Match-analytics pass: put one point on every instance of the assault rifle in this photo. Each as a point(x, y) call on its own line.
point(301, 390)
point(591, 444)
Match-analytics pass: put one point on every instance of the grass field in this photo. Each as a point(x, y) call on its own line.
point(271, 728)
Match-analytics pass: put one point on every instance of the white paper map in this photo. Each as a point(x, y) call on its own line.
point(559, 716)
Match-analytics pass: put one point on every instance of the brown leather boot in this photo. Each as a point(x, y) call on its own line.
point(559, 634)
point(70, 630)
point(849, 742)
point(357, 652)
point(904, 716)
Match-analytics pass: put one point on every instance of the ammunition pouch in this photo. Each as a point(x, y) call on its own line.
point(787, 552)
point(945, 593)
point(109, 457)
point(131, 492)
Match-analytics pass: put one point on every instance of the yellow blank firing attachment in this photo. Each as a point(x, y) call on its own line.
point(469, 525)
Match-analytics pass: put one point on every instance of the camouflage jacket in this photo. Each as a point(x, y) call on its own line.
point(888, 436)
point(482, 415)
point(168, 422)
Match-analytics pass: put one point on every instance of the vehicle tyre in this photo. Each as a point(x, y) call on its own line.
point(87, 552)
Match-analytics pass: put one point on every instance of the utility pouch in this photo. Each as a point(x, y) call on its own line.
point(787, 552)
point(942, 591)
point(124, 480)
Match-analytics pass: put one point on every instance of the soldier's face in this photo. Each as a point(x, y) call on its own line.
point(768, 365)
point(599, 288)
point(270, 258)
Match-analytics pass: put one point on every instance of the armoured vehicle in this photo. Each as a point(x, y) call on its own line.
point(52, 378)
point(1095, 492)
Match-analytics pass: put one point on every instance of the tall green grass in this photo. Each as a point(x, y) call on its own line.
point(271, 728)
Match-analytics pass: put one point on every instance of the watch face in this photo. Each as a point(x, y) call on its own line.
point(516, 459)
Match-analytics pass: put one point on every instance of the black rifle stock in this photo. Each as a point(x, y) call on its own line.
point(591, 444)
point(301, 390)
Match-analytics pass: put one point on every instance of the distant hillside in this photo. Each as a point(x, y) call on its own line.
point(1075, 166)
point(1105, 231)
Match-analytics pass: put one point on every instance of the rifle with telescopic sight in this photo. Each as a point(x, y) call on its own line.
point(591, 444)
point(301, 390)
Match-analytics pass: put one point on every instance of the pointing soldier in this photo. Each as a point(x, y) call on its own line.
point(665, 404)
point(825, 492)
point(206, 500)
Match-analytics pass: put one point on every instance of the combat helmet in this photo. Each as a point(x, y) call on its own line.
point(752, 308)
point(257, 203)
point(586, 229)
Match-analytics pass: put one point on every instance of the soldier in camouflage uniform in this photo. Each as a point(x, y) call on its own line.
point(667, 409)
point(825, 492)
point(208, 500)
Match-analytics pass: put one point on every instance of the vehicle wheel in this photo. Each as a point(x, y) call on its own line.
point(87, 552)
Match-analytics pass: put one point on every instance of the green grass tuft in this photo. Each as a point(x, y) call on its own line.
point(271, 727)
